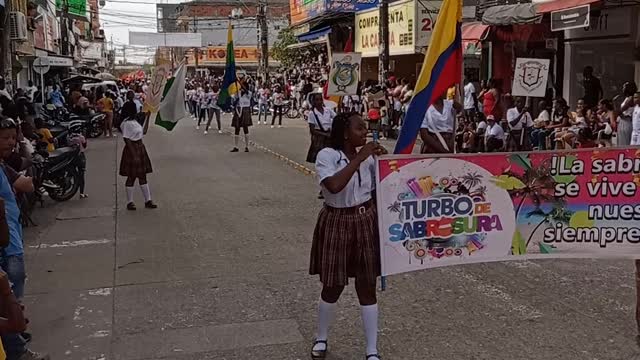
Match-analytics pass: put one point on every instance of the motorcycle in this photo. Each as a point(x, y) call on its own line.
point(58, 172)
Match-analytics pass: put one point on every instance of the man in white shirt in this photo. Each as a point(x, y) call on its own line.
point(520, 123)
point(470, 100)
point(31, 90)
point(494, 136)
point(437, 129)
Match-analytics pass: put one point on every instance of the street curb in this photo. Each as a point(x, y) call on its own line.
point(294, 164)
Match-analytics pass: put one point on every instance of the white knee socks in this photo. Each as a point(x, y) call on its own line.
point(326, 313)
point(129, 194)
point(236, 138)
point(146, 192)
point(370, 322)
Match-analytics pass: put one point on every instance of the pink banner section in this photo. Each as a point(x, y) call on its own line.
point(455, 209)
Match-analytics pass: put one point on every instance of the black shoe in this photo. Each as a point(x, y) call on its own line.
point(246, 149)
point(319, 354)
point(131, 206)
point(150, 205)
point(235, 150)
point(372, 356)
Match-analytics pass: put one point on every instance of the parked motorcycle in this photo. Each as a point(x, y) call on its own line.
point(57, 172)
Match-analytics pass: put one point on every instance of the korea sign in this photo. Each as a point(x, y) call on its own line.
point(577, 17)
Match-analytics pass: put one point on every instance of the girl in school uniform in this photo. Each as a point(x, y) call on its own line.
point(242, 118)
point(135, 163)
point(346, 240)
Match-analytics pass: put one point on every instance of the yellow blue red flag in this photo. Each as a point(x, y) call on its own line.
point(441, 69)
point(229, 81)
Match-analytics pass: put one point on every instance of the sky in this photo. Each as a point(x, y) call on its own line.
point(118, 17)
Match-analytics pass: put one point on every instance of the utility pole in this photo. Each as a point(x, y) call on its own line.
point(264, 38)
point(64, 28)
point(383, 41)
point(5, 45)
point(124, 55)
point(196, 51)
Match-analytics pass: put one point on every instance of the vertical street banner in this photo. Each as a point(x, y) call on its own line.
point(530, 77)
point(344, 74)
point(458, 209)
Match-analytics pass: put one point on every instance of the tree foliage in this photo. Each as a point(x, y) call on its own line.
point(279, 50)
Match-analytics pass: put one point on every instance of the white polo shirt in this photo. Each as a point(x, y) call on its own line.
point(513, 114)
point(325, 118)
point(358, 190)
point(496, 131)
point(635, 126)
point(436, 121)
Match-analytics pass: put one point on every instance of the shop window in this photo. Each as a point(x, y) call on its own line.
point(612, 63)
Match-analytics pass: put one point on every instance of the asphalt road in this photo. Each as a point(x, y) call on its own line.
point(219, 271)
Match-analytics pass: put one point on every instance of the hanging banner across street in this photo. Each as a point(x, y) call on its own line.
point(530, 78)
point(344, 75)
point(457, 209)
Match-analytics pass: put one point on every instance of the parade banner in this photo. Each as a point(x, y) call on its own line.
point(530, 77)
point(439, 210)
point(344, 74)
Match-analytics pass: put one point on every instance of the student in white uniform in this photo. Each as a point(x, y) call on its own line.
point(320, 120)
point(135, 162)
point(494, 136)
point(437, 130)
point(635, 123)
point(242, 118)
point(346, 240)
point(520, 122)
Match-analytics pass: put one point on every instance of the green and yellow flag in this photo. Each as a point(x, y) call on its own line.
point(229, 81)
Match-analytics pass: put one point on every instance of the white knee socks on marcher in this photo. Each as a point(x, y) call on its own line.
point(130, 190)
point(370, 322)
point(236, 138)
point(246, 140)
point(146, 192)
point(326, 313)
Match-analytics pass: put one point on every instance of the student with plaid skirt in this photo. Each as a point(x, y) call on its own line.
point(346, 240)
point(135, 162)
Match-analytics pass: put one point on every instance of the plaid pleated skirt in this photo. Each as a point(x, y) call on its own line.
point(135, 161)
point(346, 245)
point(242, 120)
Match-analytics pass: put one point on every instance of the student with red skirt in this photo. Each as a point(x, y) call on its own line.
point(346, 240)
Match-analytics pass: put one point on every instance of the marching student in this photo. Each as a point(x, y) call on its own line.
point(135, 163)
point(242, 118)
point(346, 240)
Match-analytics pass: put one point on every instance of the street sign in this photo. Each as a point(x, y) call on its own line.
point(41, 65)
point(577, 17)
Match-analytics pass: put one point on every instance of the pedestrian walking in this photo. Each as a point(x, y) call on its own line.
point(242, 118)
point(263, 103)
point(105, 105)
point(346, 240)
point(135, 162)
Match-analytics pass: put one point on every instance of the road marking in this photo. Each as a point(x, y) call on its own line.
point(100, 292)
point(76, 243)
point(491, 291)
point(294, 164)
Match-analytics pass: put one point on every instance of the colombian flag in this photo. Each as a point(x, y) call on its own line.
point(441, 69)
point(229, 81)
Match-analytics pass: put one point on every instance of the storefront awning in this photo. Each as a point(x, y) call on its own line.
point(314, 34)
point(515, 14)
point(555, 5)
point(472, 34)
point(318, 41)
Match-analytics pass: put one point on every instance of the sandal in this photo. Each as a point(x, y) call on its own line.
point(376, 356)
point(319, 354)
